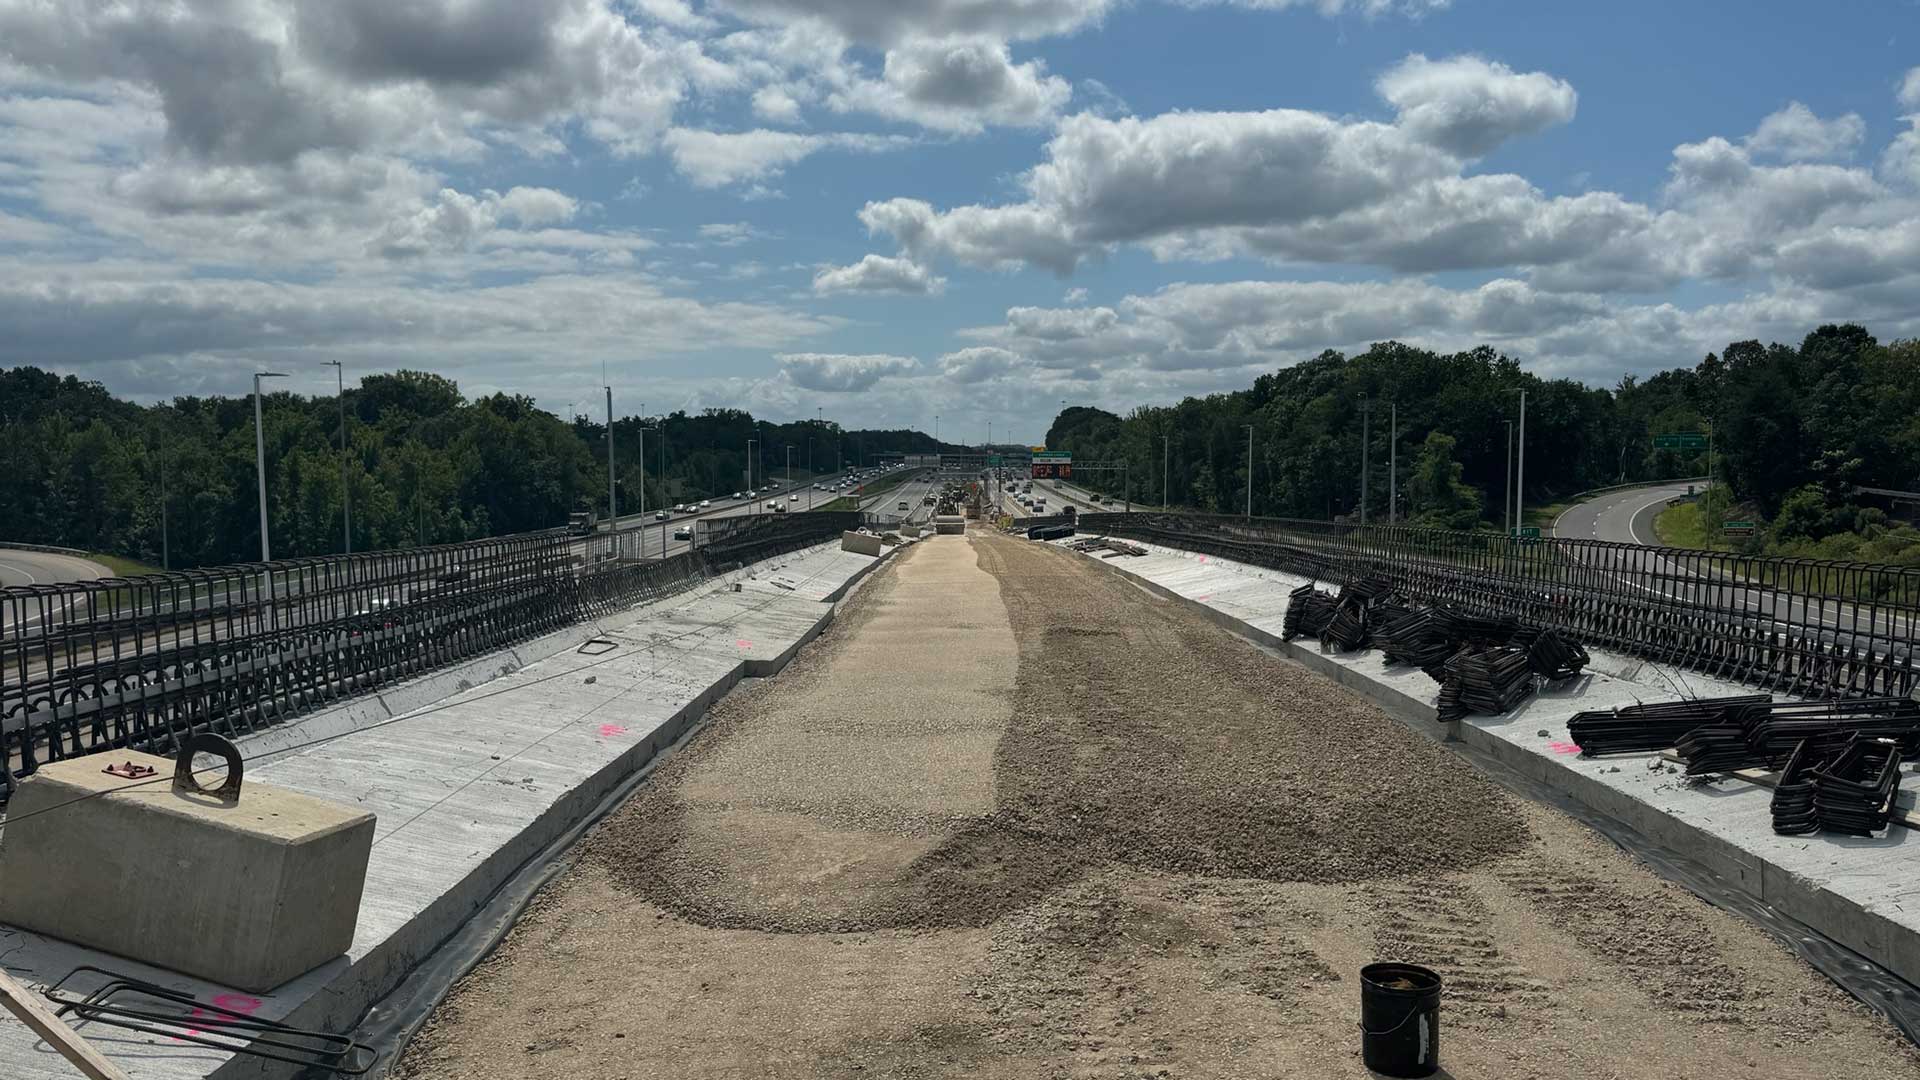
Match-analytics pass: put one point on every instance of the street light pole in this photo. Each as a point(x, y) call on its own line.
point(1520, 477)
point(1506, 507)
point(1166, 456)
point(1249, 428)
point(1366, 431)
point(643, 465)
point(613, 506)
point(346, 493)
point(1393, 463)
point(260, 460)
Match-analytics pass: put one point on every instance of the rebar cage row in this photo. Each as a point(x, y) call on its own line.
point(144, 663)
point(1810, 627)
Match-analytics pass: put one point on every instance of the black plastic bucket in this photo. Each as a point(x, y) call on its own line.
point(1400, 1019)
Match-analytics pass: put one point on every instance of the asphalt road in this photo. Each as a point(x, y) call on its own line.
point(1624, 517)
point(19, 567)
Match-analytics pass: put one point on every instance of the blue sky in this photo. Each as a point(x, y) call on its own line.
point(888, 209)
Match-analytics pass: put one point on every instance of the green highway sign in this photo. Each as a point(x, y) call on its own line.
point(1681, 440)
point(1527, 532)
point(1053, 455)
point(1737, 526)
point(993, 461)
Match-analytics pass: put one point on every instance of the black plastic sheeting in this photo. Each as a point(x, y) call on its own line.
point(391, 1023)
point(1881, 990)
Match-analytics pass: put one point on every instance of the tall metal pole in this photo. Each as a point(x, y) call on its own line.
point(1249, 472)
point(166, 558)
point(346, 493)
point(1366, 431)
point(643, 464)
point(260, 460)
point(1393, 462)
point(613, 506)
point(1506, 506)
point(1166, 456)
point(1520, 478)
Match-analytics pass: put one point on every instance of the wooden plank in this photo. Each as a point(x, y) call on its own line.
point(34, 1013)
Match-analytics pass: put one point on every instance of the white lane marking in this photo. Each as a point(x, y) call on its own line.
point(31, 580)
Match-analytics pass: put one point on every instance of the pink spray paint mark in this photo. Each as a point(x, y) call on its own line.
point(240, 1003)
point(1563, 748)
point(1203, 558)
point(608, 731)
point(1204, 599)
point(744, 643)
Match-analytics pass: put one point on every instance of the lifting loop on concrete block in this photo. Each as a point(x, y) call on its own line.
point(598, 646)
point(209, 743)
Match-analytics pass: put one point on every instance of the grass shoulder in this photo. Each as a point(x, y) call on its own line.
point(122, 566)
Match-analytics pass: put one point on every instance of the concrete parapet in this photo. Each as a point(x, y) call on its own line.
point(246, 893)
point(861, 543)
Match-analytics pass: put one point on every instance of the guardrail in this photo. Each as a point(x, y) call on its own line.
point(146, 662)
point(50, 548)
point(1581, 496)
point(1801, 626)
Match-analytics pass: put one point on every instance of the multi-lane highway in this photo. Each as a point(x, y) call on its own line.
point(656, 537)
point(1626, 517)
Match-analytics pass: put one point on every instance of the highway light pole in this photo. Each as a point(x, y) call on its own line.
point(260, 459)
point(1393, 462)
point(1166, 456)
point(1520, 472)
point(346, 493)
point(643, 464)
point(1366, 430)
point(1506, 508)
point(753, 504)
point(613, 507)
point(1249, 428)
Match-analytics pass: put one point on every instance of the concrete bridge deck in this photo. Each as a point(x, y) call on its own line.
point(1019, 816)
point(471, 771)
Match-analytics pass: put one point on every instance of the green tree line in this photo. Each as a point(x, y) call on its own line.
point(1798, 433)
point(425, 465)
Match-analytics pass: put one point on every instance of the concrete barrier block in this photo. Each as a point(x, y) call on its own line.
point(861, 543)
point(246, 894)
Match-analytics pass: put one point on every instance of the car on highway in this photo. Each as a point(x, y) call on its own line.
point(779, 508)
point(738, 495)
point(706, 504)
point(793, 498)
point(683, 533)
point(660, 515)
point(773, 504)
point(902, 505)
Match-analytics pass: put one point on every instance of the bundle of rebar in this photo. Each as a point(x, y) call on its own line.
point(1774, 730)
point(1554, 656)
point(1308, 612)
point(1416, 639)
point(1348, 629)
point(1853, 794)
point(1792, 805)
point(1713, 748)
point(1474, 629)
point(1489, 680)
point(1650, 728)
point(1367, 591)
